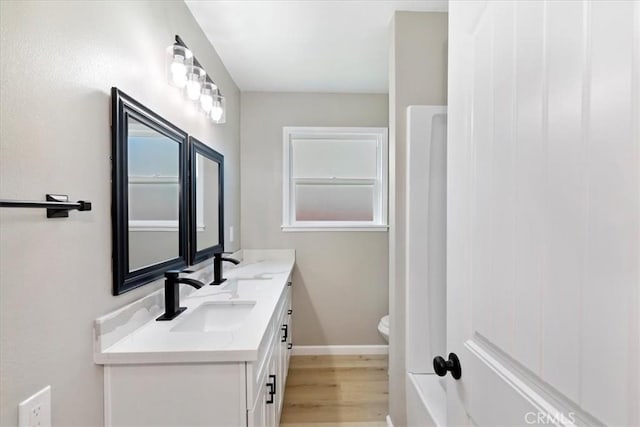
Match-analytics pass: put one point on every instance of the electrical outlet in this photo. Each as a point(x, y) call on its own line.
point(231, 239)
point(36, 410)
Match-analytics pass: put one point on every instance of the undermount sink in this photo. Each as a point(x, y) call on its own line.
point(216, 317)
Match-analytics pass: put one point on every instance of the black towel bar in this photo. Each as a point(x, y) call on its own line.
point(57, 205)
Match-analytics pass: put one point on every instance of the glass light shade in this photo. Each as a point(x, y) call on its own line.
point(206, 96)
point(195, 80)
point(179, 60)
point(219, 109)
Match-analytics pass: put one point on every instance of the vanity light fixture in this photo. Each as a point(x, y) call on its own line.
point(186, 73)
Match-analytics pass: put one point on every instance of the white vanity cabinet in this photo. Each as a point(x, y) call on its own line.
point(213, 394)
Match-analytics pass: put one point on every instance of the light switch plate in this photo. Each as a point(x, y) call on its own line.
point(36, 410)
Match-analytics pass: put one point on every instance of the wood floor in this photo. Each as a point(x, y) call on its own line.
point(332, 391)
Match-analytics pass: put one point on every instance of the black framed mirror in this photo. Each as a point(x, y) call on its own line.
point(206, 219)
point(149, 197)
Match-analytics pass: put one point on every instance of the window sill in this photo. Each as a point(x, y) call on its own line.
point(142, 225)
point(299, 228)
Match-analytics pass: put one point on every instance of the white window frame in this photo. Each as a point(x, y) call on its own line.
point(170, 225)
point(380, 183)
point(153, 225)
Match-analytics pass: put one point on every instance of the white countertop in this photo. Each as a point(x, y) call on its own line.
point(260, 280)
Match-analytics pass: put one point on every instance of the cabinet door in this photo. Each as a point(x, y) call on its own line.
point(257, 416)
point(285, 347)
point(264, 412)
point(279, 360)
point(290, 323)
point(289, 308)
point(272, 416)
point(289, 344)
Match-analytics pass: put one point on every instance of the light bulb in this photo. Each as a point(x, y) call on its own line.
point(195, 79)
point(179, 60)
point(177, 66)
point(216, 112)
point(206, 102)
point(179, 74)
point(179, 80)
point(193, 90)
point(218, 109)
point(206, 96)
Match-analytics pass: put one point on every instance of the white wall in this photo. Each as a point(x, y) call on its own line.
point(341, 278)
point(58, 63)
point(417, 76)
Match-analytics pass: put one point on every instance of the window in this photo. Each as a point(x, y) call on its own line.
point(334, 179)
point(153, 182)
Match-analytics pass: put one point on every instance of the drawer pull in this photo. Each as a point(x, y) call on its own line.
point(289, 283)
point(275, 387)
point(289, 312)
point(289, 346)
point(272, 389)
point(285, 329)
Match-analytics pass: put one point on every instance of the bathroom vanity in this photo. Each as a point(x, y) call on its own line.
point(222, 362)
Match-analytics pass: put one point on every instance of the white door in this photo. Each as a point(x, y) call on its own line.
point(543, 225)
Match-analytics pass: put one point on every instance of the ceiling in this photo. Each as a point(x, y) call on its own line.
point(305, 45)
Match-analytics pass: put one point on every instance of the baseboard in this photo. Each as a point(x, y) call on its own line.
point(389, 423)
point(322, 350)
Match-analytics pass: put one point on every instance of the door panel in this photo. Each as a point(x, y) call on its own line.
point(529, 155)
point(565, 185)
point(543, 212)
point(500, 176)
point(612, 260)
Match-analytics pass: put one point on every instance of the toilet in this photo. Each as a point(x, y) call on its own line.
point(383, 327)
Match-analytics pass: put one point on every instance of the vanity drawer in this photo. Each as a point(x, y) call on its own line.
point(272, 337)
point(259, 382)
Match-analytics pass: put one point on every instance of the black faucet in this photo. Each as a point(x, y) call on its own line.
point(172, 281)
point(217, 268)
